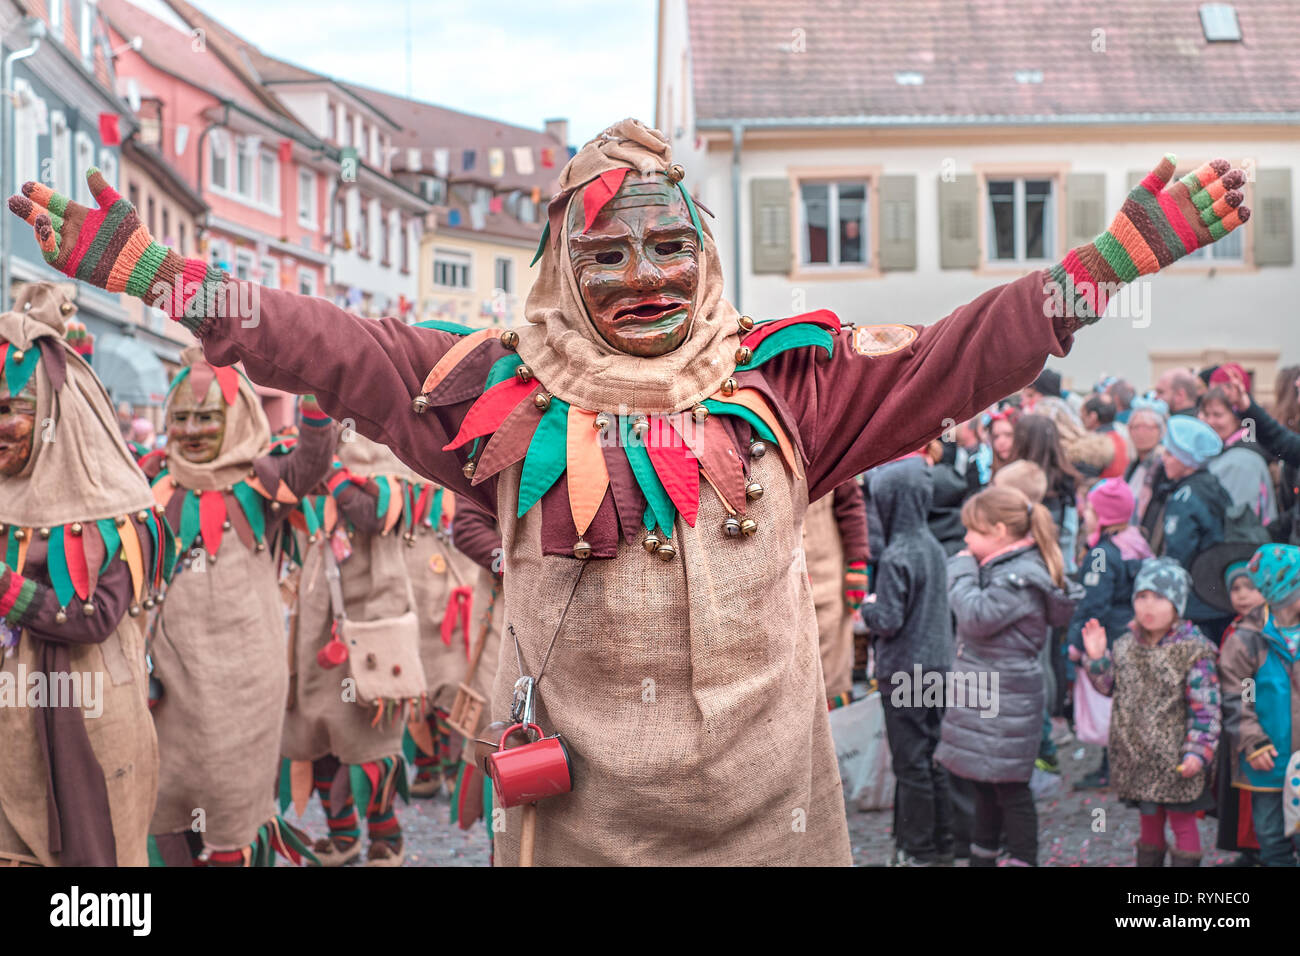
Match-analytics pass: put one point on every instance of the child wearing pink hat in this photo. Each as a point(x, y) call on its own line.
point(1116, 552)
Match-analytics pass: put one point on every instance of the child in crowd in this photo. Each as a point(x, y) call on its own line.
point(909, 620)
point(1116, 552)
point(1264, 725)
point(1005, 591)
point(1165, 722)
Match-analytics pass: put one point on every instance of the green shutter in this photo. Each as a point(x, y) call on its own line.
point(897, 197)
point(1270, 224)
point(959, 246)
point(1085, 208)
point(770, 225)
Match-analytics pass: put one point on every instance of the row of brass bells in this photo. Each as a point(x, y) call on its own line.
point(658, 546)
point(734, 527)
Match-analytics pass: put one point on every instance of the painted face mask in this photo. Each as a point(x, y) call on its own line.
point(637, 265)
point(17, 427)
point(197, 431)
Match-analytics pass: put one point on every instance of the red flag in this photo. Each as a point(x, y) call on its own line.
point(108, 131)
point(548, 157)
point(286, 150)
point(495, 204)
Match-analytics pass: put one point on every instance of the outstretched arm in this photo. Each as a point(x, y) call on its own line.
point(885, 393)
point(364, 373)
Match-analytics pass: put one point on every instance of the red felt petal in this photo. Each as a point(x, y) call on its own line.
point(676, 465)
point(212, 513)
point(490, 410)
point(74, 554)
point(600, 191)
point(228, 380)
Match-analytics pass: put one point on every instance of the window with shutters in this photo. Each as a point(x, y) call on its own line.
point(451, 268)
point(503, 275)
point(306, 282)
point(271, 273)
point(833, 220)
point(1020, 219)
point(244, 264)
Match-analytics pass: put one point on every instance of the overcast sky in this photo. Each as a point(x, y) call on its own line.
point(591, 61)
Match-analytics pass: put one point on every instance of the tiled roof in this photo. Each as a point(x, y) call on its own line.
point(925, 60)
point(426, 126)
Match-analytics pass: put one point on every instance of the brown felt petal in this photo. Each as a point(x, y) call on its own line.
point(509, 443)
point(717, 455)
point(56, 363)
point(629, 500)
point(238, 521)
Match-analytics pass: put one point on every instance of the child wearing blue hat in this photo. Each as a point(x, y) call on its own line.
point(1264, 723)
point(1165, 723)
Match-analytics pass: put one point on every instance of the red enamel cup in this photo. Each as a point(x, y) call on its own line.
point(529, 772)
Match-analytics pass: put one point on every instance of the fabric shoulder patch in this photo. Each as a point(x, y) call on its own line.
point(882, 339)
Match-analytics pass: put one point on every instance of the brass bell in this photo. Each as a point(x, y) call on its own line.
point(524, 373)
point(142, 516)
point(729, 387)
point(744, 354)
point(261, 546)
point(2, 529)
point(746, 323)
point(275, 506)
point(44, 533)
point(748, 526)
point(212, 557)
point(510, 339)
point(159, 509)
point(88, 609)
point(76, 529)
point(225, 525)
point(601, 422)
point(757, 449)
point(700, 413)
point(731, 526)
point(420, 404)
point(468, 470)
point(133, 610)
point(641, 426)
point(651, 542)
point(67, 308)
point(410, 541)
point(542, 401)
point(753, 490)
point(20, 534)
point(666, 551)
point(119, 521)
point(60, 616)
point(19, 354)
point(676, 173)
point(149, 602)
point(582, 549)
point(158, 598)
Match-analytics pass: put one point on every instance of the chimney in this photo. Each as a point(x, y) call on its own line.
point(559, 130)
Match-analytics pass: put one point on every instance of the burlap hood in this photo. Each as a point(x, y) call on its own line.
point(248, 434)
point(562, 345)
point(366, 458)
point(80, 469)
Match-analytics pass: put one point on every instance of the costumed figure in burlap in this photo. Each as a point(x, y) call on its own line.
point(835, 542)
point(357, 676)
point(650, 454)
point(83, 550)
point(218, 645)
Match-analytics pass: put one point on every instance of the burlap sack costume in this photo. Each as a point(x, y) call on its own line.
point(219, 649)
point(644, 678)
point(826, 563)
point(375, 585)
point(84, 474)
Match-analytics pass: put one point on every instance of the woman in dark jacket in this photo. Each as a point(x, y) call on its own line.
point(1006, 592)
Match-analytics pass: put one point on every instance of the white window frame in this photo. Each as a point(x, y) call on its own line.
point(246, 190)
point(307, 282)
point(832, 230)
point(60, 153)
point(270, 272)
point(220, 145)
point(56, 20)
point(454, 258)
point(507, 287)
point(108, 166)
point(404, 239)
point(244, 264)
point(364, 227)
point(1018, 200)
point(27, 152)
point(86, 33)
point(307, 190)
point(84, 152)
point(264, 158)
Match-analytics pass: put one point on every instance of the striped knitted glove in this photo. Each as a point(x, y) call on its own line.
point(108, 247)
point(1154, 227)
point(855, 584)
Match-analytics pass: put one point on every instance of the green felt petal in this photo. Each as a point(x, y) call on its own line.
point(171, 552)
point(717, 407)
point(11, 549)
point(181, 376)
point(790, 337)
point(695, 216)
point(381, 506)
point(443, 326)
point(644, 471)
point(547, 455)
point(435, 510)
point(17, 374)
point(309, 515)
point(286, 785)
point(112, 541)
point(250, 502)
point(407, 511)
point(403, 785)
point(360, 789)
point(56, 566)
point(408, 746)
point(189, 519)
point(541, 246)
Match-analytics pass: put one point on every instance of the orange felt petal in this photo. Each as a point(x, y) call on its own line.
point(132, 554)
point(163, 489)
point(453, 356)
point(756, 403)
point(585, 462)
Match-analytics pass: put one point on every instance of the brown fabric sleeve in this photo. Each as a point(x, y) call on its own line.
point(475, 534)
point(360, 369)
point(851, 516)
point(857, 411)
point(309, 460)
